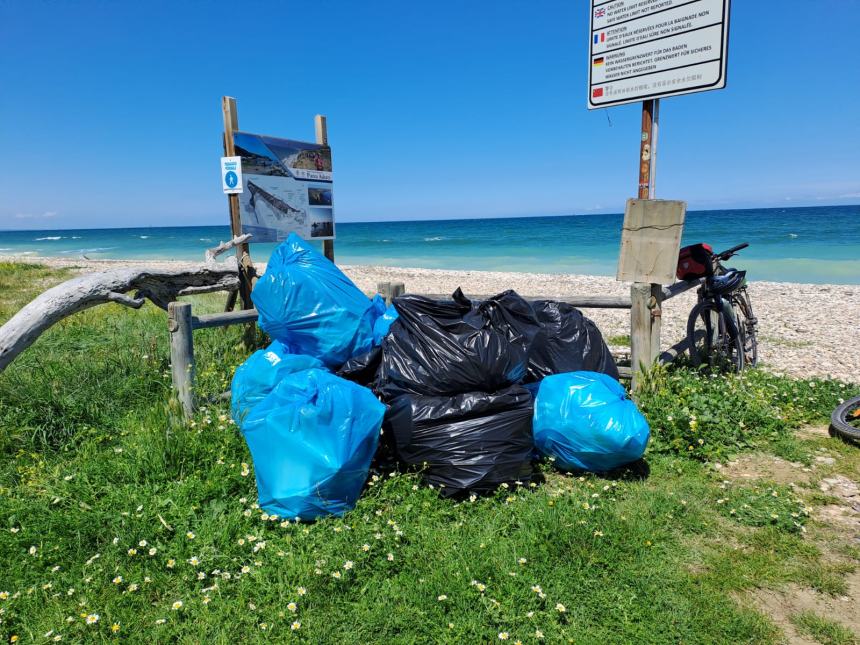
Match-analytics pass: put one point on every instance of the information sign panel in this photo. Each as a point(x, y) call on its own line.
point(649, 49)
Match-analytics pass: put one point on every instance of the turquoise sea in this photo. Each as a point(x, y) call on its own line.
point(820, 245)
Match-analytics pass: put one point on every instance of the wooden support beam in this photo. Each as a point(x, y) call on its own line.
point(243, 254)
point(321, 131)
point(583, 302)
point(680, 287)
point(675, 350)
point(225, 319)
point(182, 353)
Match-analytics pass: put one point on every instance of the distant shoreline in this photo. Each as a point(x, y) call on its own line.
point(595, 213)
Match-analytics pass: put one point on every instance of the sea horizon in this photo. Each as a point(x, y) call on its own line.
point(819, 244)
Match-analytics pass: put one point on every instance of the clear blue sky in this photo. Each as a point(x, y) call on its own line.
point(110, 111)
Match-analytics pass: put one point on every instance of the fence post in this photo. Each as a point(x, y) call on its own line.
point(384, 290)
point(182, 353)
point(390, 290)
point(640, 330)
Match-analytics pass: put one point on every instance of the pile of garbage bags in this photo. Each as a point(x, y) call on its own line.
point(468, 392)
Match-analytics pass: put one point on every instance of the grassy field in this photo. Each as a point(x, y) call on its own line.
point(120, 521)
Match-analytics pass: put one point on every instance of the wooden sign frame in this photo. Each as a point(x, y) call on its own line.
point(247, 271)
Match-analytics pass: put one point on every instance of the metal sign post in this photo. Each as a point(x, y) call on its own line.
point(641, 51)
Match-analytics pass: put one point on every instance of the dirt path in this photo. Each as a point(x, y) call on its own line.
point(839, 521)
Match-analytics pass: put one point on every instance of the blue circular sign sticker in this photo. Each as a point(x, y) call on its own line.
point(231, 179)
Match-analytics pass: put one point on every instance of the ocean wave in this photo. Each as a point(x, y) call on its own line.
point(76, 237)
point(144, 237)
point(50, 237)
point(433, 239)
point(205, 239)
point(96, 249)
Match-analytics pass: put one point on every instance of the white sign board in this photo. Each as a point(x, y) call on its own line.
point(648, 49)
point(231, 175)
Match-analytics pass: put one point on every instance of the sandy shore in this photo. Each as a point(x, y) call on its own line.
point(804, 329)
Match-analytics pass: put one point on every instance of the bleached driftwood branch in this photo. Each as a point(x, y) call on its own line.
point(161, 286)
point(211, 254)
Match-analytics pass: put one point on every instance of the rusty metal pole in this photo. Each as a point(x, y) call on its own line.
point(646, 310)
point(645, 149)
point(655, 132)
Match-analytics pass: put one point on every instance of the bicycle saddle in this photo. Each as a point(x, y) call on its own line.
point(728, 282)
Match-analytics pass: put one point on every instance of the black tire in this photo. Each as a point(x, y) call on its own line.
point(746, 328)
point(840, 420)
point(713, 339)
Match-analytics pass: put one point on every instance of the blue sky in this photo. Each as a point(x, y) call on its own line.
point(110, 112)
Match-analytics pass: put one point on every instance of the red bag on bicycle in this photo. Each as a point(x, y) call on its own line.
point(695, 261)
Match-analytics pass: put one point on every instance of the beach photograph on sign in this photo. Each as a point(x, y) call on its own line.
point(283, 179)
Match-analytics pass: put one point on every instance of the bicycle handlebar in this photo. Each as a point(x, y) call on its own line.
point(725, 255)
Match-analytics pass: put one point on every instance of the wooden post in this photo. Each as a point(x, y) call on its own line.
point(321, 129)
point(243, 255)
point(640, 330)
point(390, 290)
point(182, 353)
point(384, 290)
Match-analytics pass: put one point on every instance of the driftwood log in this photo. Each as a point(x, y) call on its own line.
point(161, 286)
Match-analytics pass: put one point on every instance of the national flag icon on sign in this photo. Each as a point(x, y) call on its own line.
point(600, 38)
point(597, 92)
point(599, 13)
point(598, 62)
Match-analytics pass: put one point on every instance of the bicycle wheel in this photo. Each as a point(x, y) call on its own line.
point(746, 327)
point(845, 420)
point(713, 339)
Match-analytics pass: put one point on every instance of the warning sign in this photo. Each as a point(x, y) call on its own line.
point(647, 49)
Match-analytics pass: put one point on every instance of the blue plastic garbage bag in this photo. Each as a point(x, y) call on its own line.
point(586, 422)
point(383, 323)
point(308, 304)
point(312, 440)
point(257, 377)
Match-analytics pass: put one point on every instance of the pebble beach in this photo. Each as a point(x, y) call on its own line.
point(805, 330)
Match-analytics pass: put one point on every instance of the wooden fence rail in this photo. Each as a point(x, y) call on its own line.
point(644, 304)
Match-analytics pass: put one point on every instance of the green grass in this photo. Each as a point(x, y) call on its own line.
point(621, 341)
point(111, 505)
point(826, 632)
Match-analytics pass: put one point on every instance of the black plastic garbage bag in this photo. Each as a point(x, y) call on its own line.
point(570, 343)
point(467, 442)
point(362, 369)
point(444, 347)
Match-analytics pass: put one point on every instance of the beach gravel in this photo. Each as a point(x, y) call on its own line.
point(805, 330)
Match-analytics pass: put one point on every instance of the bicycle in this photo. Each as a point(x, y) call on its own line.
point(721, 329)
